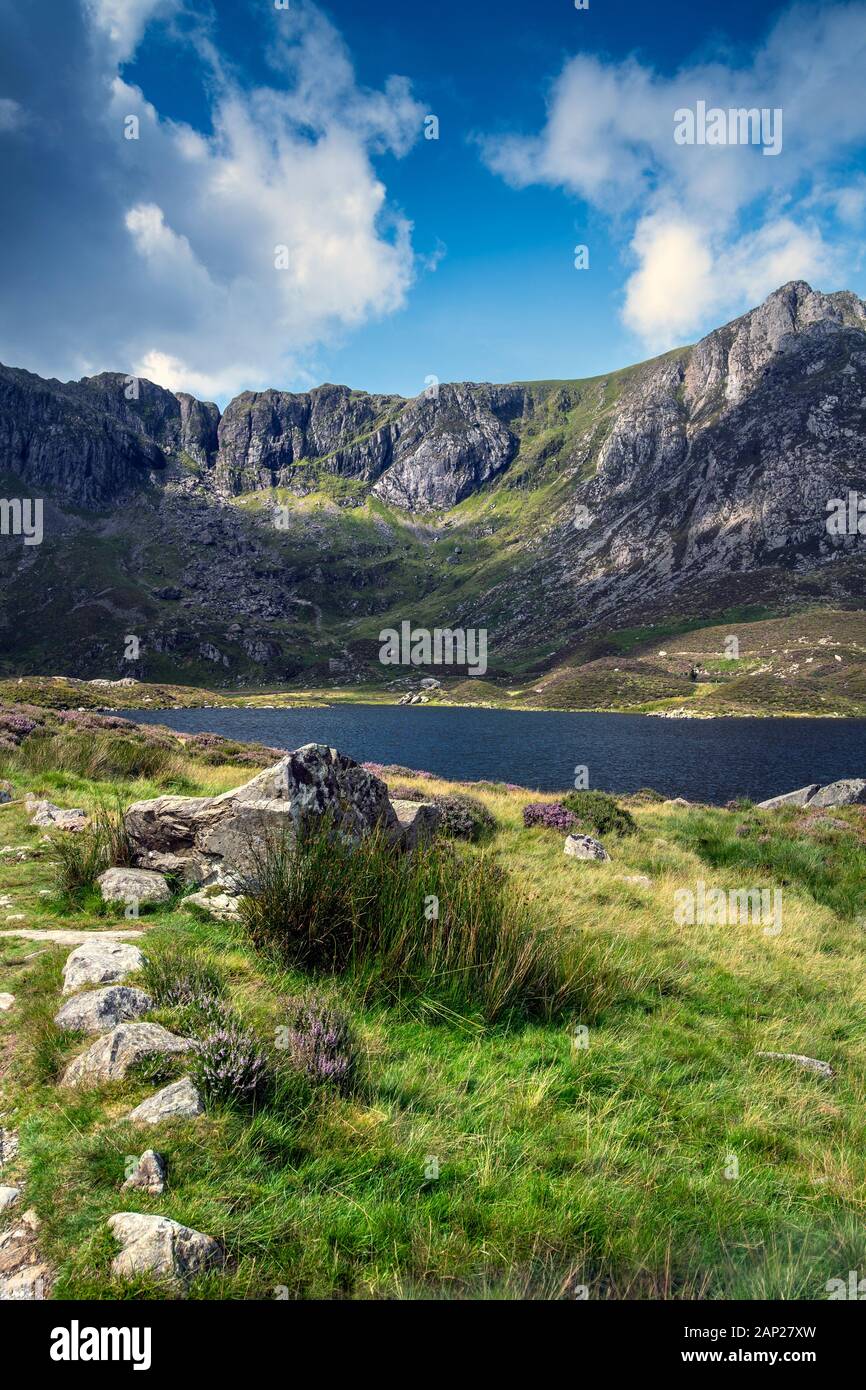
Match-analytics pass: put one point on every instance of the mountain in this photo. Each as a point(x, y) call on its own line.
point(273, 541)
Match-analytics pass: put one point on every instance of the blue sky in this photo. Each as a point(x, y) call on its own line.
point(303, 129)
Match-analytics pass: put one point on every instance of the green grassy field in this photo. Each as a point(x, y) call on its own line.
point(477, 1159)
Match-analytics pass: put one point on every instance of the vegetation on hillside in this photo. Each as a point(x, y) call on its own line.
point(433, 1146)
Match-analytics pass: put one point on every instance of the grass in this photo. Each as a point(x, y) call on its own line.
point(559, 1165)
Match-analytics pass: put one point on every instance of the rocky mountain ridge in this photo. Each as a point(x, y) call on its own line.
point(279, 535)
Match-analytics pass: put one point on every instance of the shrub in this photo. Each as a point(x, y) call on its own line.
point(464, 817)
point(231, 1068)
point(550, 814)
point(320, 1043)
point(601, 812)
point(323, 904)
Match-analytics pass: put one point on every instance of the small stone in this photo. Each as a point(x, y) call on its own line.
point(8, 1197)
point(810, 1063)
point(100, 1010)
point(585, 847)
point(676, 801)
point(114, 1055)
point(6, 792)
point(157, 1245)
point(23, 1276)
point(176, 1101)
point(99, 963)
point(8, 1145)
point(17, 917)
point(6, 1002)
point(641, 879)
point(133, 886)
point(45, 813)
point(214, 900)
point(150, 1174)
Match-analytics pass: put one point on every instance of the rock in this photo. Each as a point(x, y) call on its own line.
point(47, 814)
point(100, 963)
point(156, 1245)
point(133, 886)
point(8, 1197)
point(850, 791)
point(100, 1010)
point(641, 879)
point(417, 822)
point(585, 847)
point(7, 792)
point(224, 906)
point(178, 1100)
point(112, 1057)
point(801, 797)
point(73, 938)
point(8, 1146)
point(23, 1275)
point(676, 801)
point(149, 1175)
point(17, 917)
point(810, 1063)
point(6, 1002)
point(218, 836)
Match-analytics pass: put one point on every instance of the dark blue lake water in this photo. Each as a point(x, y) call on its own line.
point(708, 759)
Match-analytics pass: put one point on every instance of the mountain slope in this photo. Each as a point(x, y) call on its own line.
point(274, 541)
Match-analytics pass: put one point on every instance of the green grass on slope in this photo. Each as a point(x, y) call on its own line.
point(559, 1166)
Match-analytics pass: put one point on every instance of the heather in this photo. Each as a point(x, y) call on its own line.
point(551, 815)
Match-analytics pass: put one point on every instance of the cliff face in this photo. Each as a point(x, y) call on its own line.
point(699, 479)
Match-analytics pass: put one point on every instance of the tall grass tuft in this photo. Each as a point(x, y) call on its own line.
point(431, 921)
point(79, 857)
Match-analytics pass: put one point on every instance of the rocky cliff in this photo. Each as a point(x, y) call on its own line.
point(541, 510)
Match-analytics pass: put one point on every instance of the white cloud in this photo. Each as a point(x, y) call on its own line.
point(12, 116)
point(710, 228)
point(123, 22)
point(170, 239)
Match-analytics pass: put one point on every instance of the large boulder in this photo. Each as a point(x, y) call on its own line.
point(115, 1054)
point(100, 963)
point(100, 1010)
point(215, 838)
point(849, 791)
point(133, 886)
point(156, 1245)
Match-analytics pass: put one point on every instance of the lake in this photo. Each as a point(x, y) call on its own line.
point(709, 760)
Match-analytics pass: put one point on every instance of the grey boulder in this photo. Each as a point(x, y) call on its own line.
point(45, 813)
point(161, 1247)
point(113, 1056)
point(217, 837)
point(176, 1101)
point(100, 1010)
point(133, 886)
point(100, 963)
point(585, 847)
point(149, 1174)
point(417, 822)
point(849, 791)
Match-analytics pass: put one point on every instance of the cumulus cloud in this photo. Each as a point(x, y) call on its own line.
point(211, 261)
point(711, 228)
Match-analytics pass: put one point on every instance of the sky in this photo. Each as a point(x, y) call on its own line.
point(228, 195)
